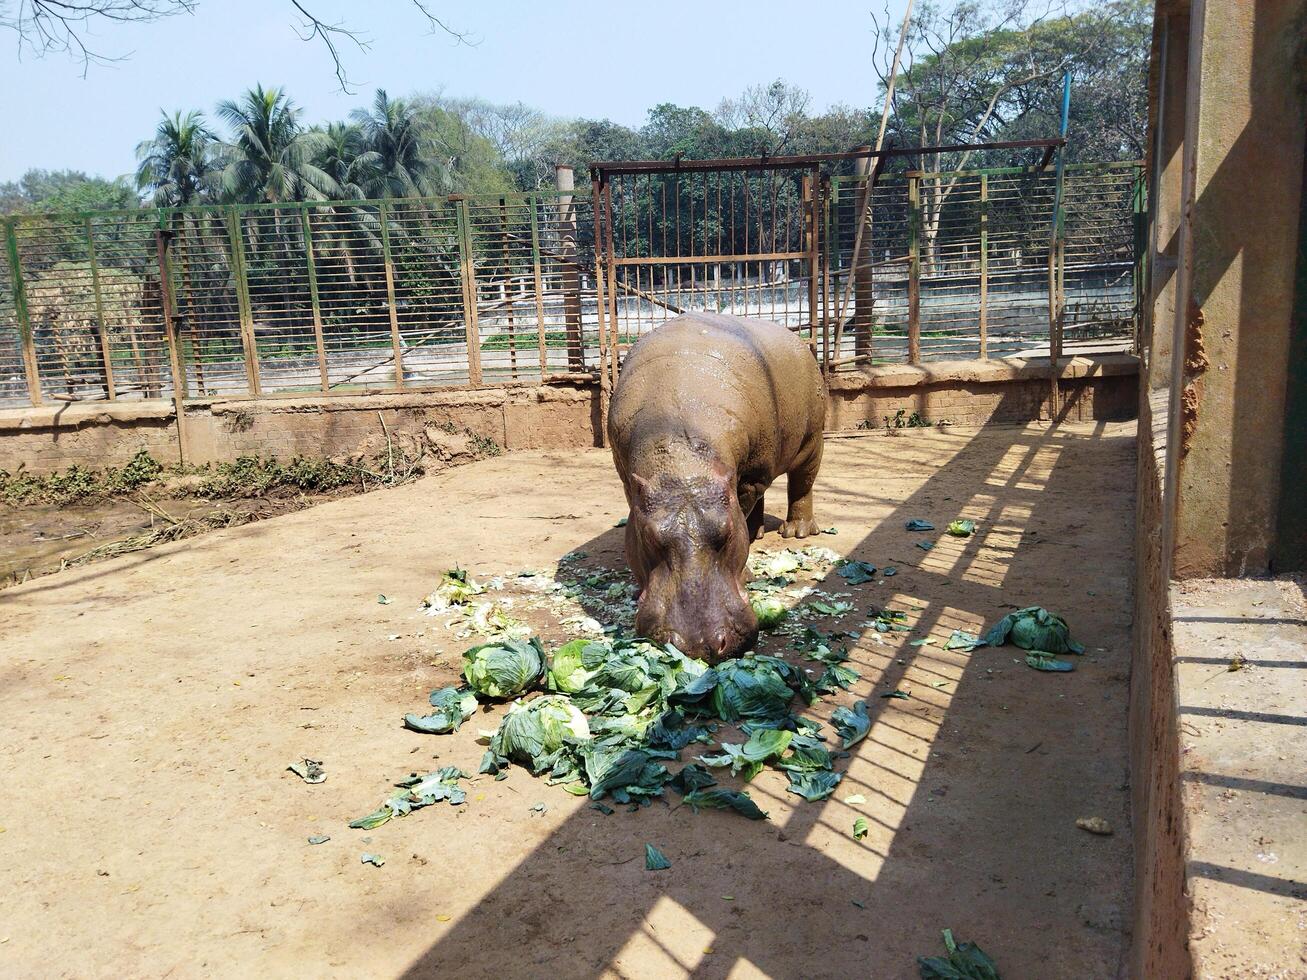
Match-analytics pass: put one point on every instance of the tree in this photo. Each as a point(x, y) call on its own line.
point(771, 112)
point(402, 161)
point(344, 156)
point(977, 72)
point(270, 157)
point(65, 190)
point(178, 166)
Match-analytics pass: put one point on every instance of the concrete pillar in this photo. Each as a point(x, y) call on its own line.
point(571, 271)
point(1246, 116)
point(864, 295)
point(1169, 61)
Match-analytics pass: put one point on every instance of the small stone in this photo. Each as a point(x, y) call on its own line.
point(1095, 825)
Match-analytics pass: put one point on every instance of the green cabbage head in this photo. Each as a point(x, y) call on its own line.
point(504, 668)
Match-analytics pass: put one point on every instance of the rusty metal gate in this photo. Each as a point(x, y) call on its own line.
point(728, 236)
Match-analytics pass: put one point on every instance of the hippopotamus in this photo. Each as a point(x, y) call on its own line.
point(709, 410)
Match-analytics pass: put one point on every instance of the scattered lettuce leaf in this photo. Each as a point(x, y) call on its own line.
point(454, 589)
point(860, 828)
point(961, 528)
point(813, 785)
point(1043, 661)
point(852, 724)
point(857, 572)
point(724, 799)
point(917, 524)
point(454, 705)
point(654, 859)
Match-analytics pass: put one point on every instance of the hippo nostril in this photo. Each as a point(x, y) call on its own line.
point(677, 640)
point(723, 643)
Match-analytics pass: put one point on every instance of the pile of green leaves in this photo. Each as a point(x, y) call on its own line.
point(1041, 633)
point(453, 589)
point(964, 961)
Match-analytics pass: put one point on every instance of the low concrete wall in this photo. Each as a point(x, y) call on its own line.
point(537, 417)
point(1161, 905)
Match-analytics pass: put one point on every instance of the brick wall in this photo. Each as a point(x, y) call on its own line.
point(541, 417)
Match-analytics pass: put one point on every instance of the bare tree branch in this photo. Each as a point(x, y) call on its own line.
point(64, 27)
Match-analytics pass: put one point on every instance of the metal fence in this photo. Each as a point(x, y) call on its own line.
point(351, 296)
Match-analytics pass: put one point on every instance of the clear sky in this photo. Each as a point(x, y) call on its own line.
point(567, 57)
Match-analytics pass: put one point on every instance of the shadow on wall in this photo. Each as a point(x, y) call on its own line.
point(968, 820)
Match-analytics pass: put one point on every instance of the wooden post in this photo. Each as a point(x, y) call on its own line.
point(468, 275)
point(984, 265)
point(914, 268)
point(395, 339)
point(249, 345)
point(311, 262)
point(106, 354)
point(175, 365)
point(30, 369)
point(538, 283)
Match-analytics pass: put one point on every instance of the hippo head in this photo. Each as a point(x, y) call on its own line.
point(687, 541)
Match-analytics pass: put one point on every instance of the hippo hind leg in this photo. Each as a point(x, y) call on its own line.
point(799, 522)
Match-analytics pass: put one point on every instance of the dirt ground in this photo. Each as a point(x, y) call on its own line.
point(151, 704)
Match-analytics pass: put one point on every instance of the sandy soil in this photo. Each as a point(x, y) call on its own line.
point(151, 704)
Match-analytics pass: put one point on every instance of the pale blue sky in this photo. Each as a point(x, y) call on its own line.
point(568, 57)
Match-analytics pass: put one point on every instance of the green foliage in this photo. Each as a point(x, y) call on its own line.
point(77, 482)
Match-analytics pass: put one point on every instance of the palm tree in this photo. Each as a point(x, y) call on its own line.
point(345, 158)
point(405, 162)
point(178, 166)
point(270, 158)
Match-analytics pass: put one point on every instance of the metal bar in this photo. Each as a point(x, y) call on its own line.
point(395, 340)
point(806, 160)
point(812, 195)
point(709, 259)
point(984, 265)
point(468, 276)
point(30, 369)
point(106, 353)
point(615, 337)
point(539, 287)
point(506, 286)
point(248, 342)
point(604, 382)
point(312, 266)
point(914, 269)
point(174, 355)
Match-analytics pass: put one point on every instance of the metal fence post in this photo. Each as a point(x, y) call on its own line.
point(101, 330)
point(539, 285)
point(396, 342)
point(565, 182)
point(249, 344)
point(811, 194)
point(467, 273)
point(175, 365)
point(30, 370)
point(596, 213)
point(984, 265)
point(914, 268)
point(312, 267)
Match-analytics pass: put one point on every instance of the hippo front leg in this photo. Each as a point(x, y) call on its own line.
point(799, 522)
point(755, 520)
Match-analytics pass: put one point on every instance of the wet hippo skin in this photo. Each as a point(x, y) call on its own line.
point(708, 410)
